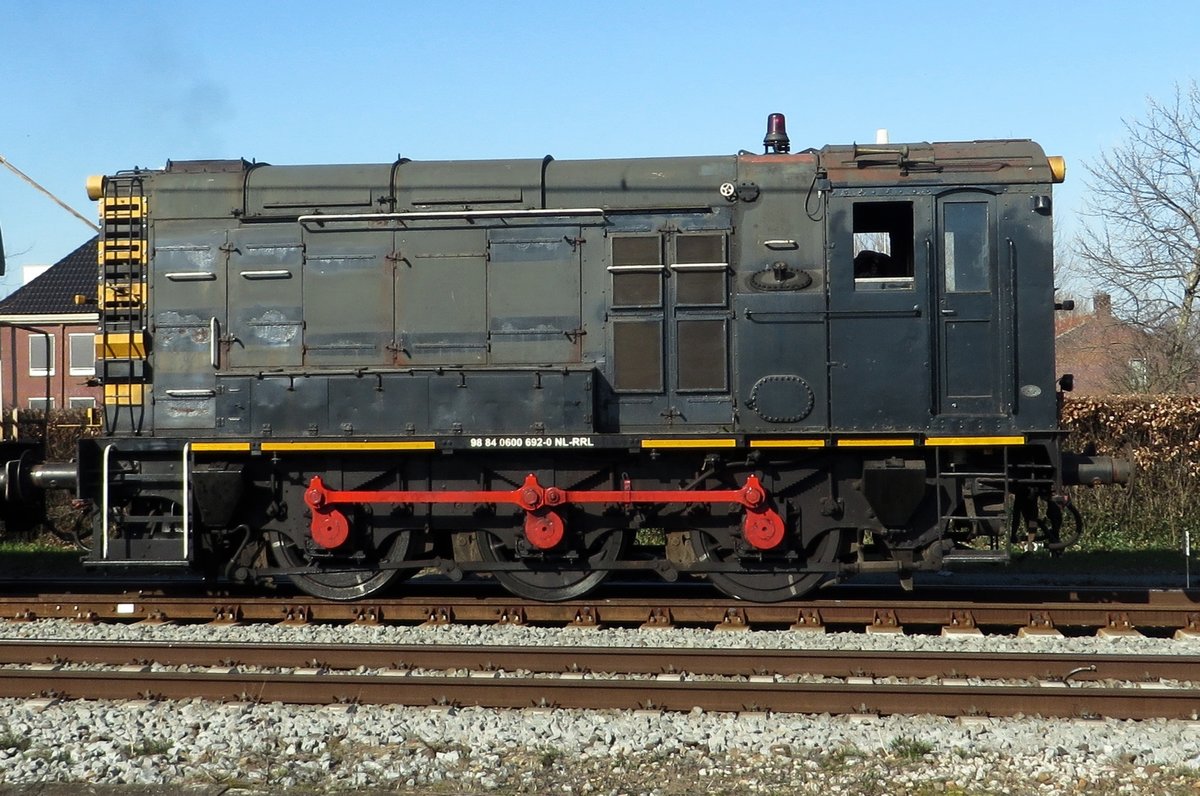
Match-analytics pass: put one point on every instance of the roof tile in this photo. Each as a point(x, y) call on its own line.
point(53, 293)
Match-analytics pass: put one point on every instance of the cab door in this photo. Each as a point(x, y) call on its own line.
point(880, 375)
point(971, 290)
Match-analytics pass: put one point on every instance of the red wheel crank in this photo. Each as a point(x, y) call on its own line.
point(330, 528)
point(543, 529)
point(763, 529)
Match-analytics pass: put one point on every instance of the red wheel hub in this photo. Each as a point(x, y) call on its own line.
point(543, 529)
point(330, 528)
point(763, 529)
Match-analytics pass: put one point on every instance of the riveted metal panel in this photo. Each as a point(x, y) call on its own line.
point(515, 402)
point(938, 164)
point(266, 316)
point(189, 191)
point(389, 403)
point(185, 401)
point(188, 284)
point(348, 311)
point(780, 327)
point(644, 183)
point(479, 184)
point(234, 394)
point(441, 296)
point(284, 406)
point(290, 191)
point(533, 295)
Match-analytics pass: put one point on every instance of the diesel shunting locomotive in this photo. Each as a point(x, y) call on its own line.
point(767, 370)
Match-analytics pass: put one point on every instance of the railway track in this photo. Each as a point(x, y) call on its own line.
point(1082, 686)
point(1104, 611)
point(783, 680)
point(652, 661)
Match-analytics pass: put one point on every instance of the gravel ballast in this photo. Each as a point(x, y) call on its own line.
point(277, 748)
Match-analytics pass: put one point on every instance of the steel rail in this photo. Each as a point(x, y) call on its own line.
point(398, 688)
point(1147, 609)
point(732, 662)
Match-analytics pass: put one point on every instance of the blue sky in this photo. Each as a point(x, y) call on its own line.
point(95, 87)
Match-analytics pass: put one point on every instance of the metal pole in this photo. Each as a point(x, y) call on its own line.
point(53, 198)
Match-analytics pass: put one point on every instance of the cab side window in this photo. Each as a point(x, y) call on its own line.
point(883, 246)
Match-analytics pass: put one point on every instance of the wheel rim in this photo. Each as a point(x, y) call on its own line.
point(346, 579)
point(766, 587)
point(555, 578)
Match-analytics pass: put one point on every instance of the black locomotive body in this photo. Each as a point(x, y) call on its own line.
point(779, 367)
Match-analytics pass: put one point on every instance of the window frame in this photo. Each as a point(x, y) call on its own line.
point(74, 370)
point(895, 221)
point(48, 340)
point(951, 272)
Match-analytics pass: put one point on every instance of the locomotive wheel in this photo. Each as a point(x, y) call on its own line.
point(765, 587)
point(555, 577)
point(347, 578)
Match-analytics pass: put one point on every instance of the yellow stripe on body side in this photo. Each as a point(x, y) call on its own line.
point(689, 443)
point(881, 442)
point(413, 445)
point(787, 443)
point(977, 441)
point(222, 447)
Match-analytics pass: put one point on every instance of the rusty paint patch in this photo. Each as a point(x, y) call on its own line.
point(806, 158)
point(175, 327)
point(185, 407)
point(274, 327)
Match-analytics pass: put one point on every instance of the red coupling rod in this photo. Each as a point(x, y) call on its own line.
point(763, 527)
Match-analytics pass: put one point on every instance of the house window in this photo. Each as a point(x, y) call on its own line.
point(41, 355)
point(41, 404)
point(1139, 375)
point(83, 354)
point(81, 403)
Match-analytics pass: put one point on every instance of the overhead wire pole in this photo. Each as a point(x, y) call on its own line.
point(77, 214)
point(56, 200)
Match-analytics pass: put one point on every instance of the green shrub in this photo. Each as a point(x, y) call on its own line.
point(1160, 434)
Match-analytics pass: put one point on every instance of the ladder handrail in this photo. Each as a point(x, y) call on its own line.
point(108, 449)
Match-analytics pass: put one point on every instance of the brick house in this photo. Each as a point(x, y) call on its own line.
point(1105, 354)
point(47, 341)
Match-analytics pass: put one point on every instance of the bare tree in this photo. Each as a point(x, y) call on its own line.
point(1141, 243)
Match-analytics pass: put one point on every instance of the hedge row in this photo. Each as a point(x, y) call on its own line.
point(1153, 430)
point(1161, 504)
